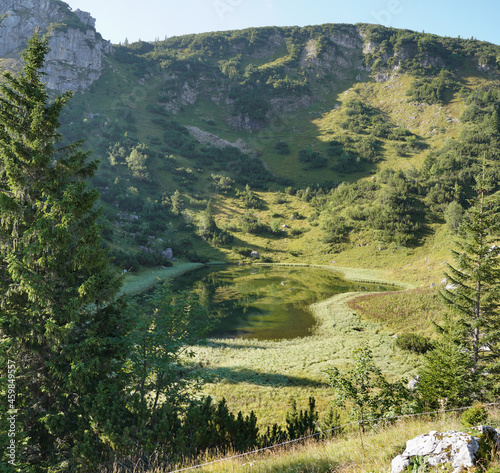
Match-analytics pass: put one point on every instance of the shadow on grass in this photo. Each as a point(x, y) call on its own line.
point(221, 344)
point(244, 375)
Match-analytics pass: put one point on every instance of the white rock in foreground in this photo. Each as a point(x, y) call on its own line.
point(458, 448)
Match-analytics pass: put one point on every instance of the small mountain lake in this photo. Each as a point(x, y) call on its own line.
point(266, 302)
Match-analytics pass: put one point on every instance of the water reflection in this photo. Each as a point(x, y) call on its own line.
point(266, 303)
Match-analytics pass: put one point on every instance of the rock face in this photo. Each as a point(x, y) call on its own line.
point(77, 50)
point(456, 448)
point(335, 63)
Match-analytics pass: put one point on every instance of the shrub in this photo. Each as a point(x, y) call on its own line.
point(280, 198)
point(347, 163)
point(453, 216)
point(107, 233)
point(251, 224)
point(282, 148)
point(250, 103)
point(276, 227)
point(124, 260)
point(220, 237)
point(474, 416)
point(313, 159)
point(249, 199)
point(300, 423)
point(222, 183)
point(398, 134)
point(414, 342)
point(210, 426)
point(194, 257)
point(243, 251)
point(151, 258)
point(335, 230)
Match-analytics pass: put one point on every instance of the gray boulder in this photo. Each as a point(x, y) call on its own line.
point(456, 448)
point(168, 253)
point(412, 385)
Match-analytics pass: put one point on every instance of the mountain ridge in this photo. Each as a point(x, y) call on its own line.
point(345, 126)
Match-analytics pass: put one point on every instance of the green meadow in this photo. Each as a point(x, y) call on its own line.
point(265, 376)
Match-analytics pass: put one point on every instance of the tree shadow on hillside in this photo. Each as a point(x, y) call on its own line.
point(421, 235)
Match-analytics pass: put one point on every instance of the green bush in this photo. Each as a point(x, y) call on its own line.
point(250, 103)
point(432, 90)
point(249, 199)
point(243, 251)
point(152, 259)
point(276, 227)
point(251, 224)
point(474, 416)
point(398, 134)
point(194, 257)
point(282, 147)
point(347, 163)
point(453, 216)
point(123, 260)
point(313, 159)
point(414, 342)
point(280, 198)
point(335, 230)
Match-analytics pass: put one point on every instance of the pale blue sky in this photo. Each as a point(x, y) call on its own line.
point(149, 19)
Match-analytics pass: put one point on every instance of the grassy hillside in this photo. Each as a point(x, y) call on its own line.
point(402, 119)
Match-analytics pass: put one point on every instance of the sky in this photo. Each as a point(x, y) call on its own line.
point(151, 19)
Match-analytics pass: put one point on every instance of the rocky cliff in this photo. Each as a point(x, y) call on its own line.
point(77, 50)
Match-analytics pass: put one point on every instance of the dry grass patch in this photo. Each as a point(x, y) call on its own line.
point(402, 312)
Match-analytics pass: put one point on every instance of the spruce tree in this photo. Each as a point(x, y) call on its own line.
point(446, 378)
point(55, 279)
point(473, 290)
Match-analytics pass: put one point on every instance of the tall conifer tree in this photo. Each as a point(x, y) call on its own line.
point(474, 281)
point(54, 274)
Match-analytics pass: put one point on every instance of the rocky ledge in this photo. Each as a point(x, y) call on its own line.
point(77, 50)
point(459, 450)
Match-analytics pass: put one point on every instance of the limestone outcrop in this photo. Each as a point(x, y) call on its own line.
point(458, 449)
point(77, 49)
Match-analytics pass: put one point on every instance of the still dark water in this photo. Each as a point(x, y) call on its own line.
point(266, 302)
